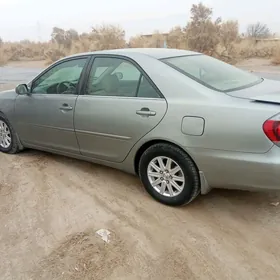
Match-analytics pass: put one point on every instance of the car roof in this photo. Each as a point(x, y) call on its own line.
point(158, 53)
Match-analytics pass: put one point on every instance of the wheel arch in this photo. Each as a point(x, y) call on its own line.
point(205, 188)
point(20, 145)
point(148, 144)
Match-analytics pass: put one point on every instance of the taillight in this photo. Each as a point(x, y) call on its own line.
point(271, 129)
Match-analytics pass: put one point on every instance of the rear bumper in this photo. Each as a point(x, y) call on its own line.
point(234, 170)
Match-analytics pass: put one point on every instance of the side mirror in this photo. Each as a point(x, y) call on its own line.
point(22, 89)
point(119, 75)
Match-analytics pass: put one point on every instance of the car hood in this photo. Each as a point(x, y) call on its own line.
point(266, 91)
point(7, 93)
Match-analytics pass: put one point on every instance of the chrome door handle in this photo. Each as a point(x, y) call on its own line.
point(145, 112)
point(66, 107)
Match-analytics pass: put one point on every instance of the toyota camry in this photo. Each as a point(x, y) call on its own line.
point(182, 121)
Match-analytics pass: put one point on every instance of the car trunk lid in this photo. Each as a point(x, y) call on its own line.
point(273, 97)
point(267, 91)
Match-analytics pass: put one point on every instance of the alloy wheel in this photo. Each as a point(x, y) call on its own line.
point(166, 176)
point(5, 135)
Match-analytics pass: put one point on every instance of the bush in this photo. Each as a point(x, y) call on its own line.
point(276, 57)
point(53, 55)
point(105, 37)
point(155, 40)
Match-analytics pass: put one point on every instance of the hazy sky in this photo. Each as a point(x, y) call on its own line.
point(34, 19)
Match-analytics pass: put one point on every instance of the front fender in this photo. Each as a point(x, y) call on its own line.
point(7, 104)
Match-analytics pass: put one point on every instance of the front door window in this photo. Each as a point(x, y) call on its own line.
point(60, 79)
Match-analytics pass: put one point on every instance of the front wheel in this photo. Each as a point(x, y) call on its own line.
point(169, 175)
point(8, 138)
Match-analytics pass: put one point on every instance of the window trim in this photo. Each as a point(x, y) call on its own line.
point(138, 85)
point(125, 58)
point(80, 82)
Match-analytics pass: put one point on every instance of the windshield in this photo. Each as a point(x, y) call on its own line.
point(212, 72)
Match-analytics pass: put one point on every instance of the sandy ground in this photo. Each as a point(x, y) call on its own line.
point(28, 64)
point(7, 86)
point(51, 207)
point(21, 64)
point(258, 65)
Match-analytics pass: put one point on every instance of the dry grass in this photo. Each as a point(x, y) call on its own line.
point(3, 58)
point(82, 256)
point(24, 50)
point(251, 48)
point(154, 40)
point(276, 58)
point(228, 50)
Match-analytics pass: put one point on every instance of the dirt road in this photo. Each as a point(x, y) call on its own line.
point(51, 206)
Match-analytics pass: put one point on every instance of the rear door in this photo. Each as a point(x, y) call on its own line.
point(117, 109)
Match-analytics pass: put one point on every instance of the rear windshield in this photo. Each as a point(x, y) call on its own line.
point(212, 72)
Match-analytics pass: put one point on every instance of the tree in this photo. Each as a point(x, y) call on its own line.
point(177, 38)
point(72, 34)
point(58, 35)
point(107, 37)
point(228, 33)
point(258, 31)
point(200, 14)
point(202, 31)
point(63, 37)
point(25, 42)
point(1, 42)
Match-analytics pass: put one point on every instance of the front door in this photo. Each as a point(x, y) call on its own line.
point(119, 106)
point(45, 116)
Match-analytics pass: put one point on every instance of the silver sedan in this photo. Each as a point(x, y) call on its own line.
point(182, 121)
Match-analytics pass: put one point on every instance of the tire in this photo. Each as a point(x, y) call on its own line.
point(189, 178)
point(14, 146)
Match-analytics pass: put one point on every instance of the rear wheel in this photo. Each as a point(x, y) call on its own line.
point(169, 175)
point(8, 138)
